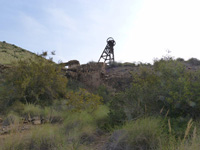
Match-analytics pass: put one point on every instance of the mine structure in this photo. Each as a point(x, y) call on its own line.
point(108, 52)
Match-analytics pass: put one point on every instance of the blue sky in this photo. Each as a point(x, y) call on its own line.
point(78, 29)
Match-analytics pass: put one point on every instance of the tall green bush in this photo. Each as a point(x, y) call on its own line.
point(37, 81)
point(137, 100)
point(142, 134)
point(166, 87)
point(179, 88)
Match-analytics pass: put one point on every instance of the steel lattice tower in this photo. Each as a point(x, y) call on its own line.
point(108, 53)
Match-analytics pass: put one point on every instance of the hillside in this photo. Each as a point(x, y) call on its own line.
point(117, 76)
point(98, 106)
point(92, 75)
point(10, 53)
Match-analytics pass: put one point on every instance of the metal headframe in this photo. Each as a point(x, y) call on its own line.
point(108, 53)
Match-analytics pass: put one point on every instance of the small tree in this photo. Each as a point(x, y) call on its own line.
point(36, 80)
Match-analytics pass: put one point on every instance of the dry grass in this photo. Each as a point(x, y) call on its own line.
point(77, 132)
point(38, 138)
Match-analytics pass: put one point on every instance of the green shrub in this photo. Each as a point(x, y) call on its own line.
point(189, 141)
point(46, 137)
point(82, 100)
point(74, 85)
point(101, 118)
point(117, 113)
point(12, 119)
point(37, 81)
point(79, 128)
point(139, 100)
point(31, 110)
point(194, 61)
point(178, 89)
point(17, 107)
point(145, 133)
point(168, 86)
point(180, 59)
point(192, 143)
point(104, 93)
point(82, 127)
point(101, 113)
point(48, 114)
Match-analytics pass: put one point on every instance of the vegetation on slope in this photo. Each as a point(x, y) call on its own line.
point(35, 81)
point(168, 86)
point(10, 53)
point(159, 111)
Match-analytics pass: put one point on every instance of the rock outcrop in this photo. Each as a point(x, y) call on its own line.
point(71, 63)
point(95, 74)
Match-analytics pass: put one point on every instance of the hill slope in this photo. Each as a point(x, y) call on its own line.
point(116, 77)
point(10, 53)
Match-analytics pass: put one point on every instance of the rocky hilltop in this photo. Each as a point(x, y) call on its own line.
point(115, 77)
point(92, 75)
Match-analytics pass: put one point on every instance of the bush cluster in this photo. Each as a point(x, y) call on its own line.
point(36, 80)
point(194, 61)
point(144, 134)
point(166, 88)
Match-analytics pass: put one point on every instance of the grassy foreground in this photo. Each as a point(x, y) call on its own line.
point(40, 109)
point(84, 130)
point(64, 129)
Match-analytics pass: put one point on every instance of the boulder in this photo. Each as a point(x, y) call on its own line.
point(36, 122)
